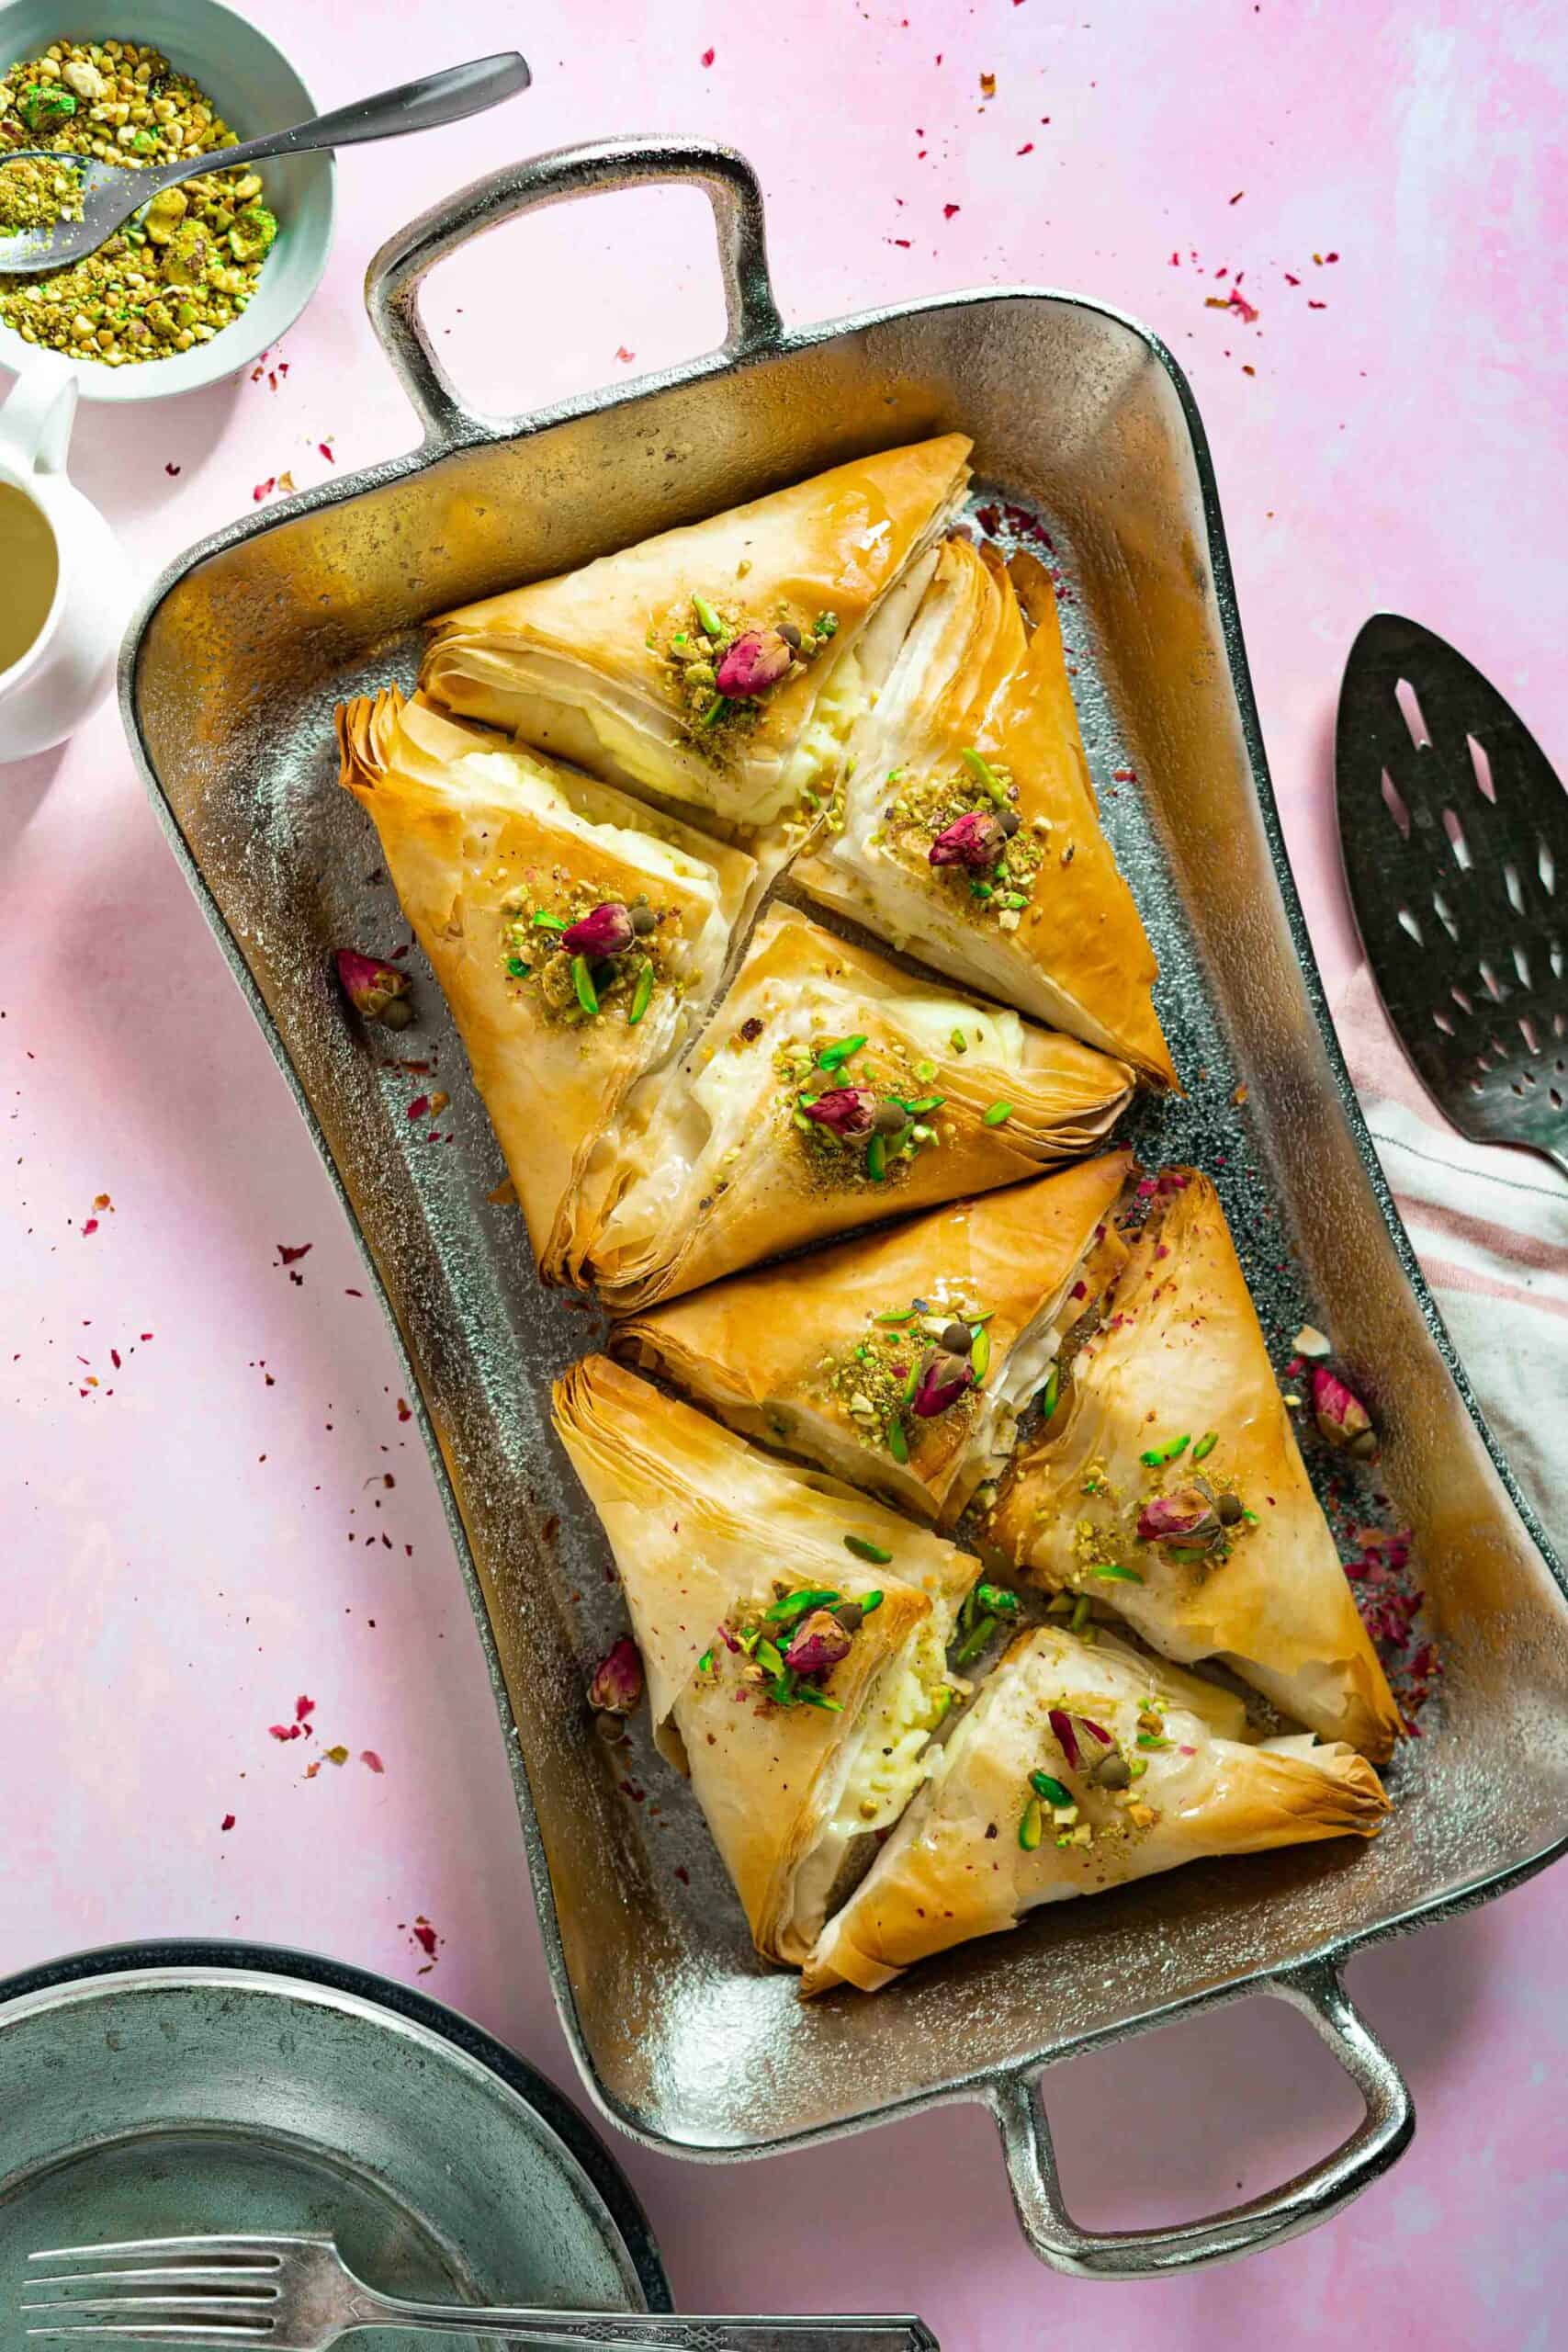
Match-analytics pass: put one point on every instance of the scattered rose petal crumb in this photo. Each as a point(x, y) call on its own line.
point(624, 354)
point(324, 448)
point(707, 56)
point(949, 210)
point(987, 85)
point(169, 470)
point(264, 489)
point(369, 1758)
point(227, 1822)
point(303, 1708)
point(289, 1257)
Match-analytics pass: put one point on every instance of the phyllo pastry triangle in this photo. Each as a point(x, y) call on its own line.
point(576, 935)
point(901, 1362)
point(792, 1634)
point(1169, 1483)
point(1078, 1769)
point(968, 830)
point(832, 1088)
point(723, 665)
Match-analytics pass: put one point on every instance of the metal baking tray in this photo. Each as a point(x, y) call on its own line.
point(228, 682)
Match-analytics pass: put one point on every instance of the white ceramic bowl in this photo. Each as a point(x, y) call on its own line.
point(255, 88)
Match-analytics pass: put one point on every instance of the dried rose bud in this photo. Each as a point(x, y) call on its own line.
point(818, 1642)
point(756, 660)
point(1342, 1418)
point(605, 931)
point(617, 1679)
point(974, 840)
point(943, 1380)
point(374, 988)
point(844, 1111)
point(1186, 1517)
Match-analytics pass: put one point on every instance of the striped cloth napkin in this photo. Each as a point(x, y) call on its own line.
point(1490, 1227)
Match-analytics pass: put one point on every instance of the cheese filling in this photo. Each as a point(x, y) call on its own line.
point(883, 1767)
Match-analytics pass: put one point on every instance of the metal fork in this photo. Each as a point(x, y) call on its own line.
point(296, 2294)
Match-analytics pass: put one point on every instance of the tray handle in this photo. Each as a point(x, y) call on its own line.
point(1381, 2135)
point(393, 280)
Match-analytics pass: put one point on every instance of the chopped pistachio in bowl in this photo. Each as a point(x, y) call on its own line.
point(220, 267)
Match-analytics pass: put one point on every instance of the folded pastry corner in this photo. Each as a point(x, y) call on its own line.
point(901, 1362)
point(1077, 1768)
point(1169, 1483)
point(967, 829)
point(577, 935)
point(722, 664)
point(792, 1634)
point(831, 1090)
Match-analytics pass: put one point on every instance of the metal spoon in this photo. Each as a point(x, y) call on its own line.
point(112, 194)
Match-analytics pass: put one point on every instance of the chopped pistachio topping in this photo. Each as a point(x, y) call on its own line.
point(882, 1152)
point(575, 987)
point(921, 808)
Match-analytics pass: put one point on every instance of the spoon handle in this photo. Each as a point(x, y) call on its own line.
point(424, 105)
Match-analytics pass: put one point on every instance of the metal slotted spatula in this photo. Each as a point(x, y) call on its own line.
point(1454, 831)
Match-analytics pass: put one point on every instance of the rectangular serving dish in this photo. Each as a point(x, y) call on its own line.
point(228, 683)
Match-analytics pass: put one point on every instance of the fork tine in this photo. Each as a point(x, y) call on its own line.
point(177, 2303)
point(205, 2331)
point(261, 2281)
point(273, 2249)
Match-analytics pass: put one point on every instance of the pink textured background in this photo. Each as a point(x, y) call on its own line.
point(186, 1540)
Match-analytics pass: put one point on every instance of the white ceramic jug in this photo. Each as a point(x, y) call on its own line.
point(65, 669)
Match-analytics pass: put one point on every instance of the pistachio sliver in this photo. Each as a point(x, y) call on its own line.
point(642, 996)
point(1050, 1392)
point(543, 921)
point(1205, 1445)
point(864, 1550)
point(1158, 1455)
point(877, 1159)
point(583, 981)
point(708, 619)
point(898, 1443)
point(1113, 1572)
point(833, 1057)
point(784, 1612)
point(1054, 1791)
point(1031, 1826)
point(999, 1114)
point(871, 1600)
point(980, 1352)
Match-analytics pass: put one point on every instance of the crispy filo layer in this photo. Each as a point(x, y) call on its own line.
point(710, 1536)
point(975, 733)
point(592, 665)
point(722, 1163)
point(851, 1357)
point(1249, 1573)
point(480, 837)
point(983, 1841)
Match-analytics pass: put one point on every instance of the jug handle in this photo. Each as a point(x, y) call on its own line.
point(36, 421)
